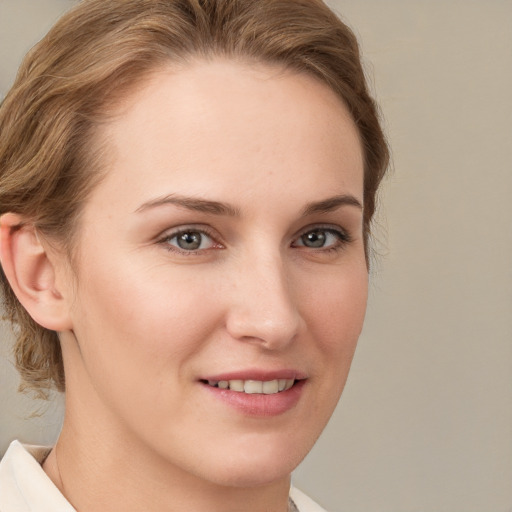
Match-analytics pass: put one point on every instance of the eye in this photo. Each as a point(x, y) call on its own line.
point(189, 240)
point(323, 238)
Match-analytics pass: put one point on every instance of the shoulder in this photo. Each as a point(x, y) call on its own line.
point(304, 503)
point(24, 486)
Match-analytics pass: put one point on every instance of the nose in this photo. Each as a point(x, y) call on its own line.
point(262, 308)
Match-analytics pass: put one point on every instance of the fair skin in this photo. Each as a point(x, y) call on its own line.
point(208, 253)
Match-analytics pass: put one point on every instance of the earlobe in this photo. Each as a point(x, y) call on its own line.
point(32, 273)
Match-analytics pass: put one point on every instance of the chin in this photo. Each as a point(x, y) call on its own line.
point(244, 475)
point(258, 463)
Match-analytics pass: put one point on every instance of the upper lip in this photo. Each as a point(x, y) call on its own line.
point(258, 374)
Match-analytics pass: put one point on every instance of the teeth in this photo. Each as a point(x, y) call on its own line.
point(269, 387)
point(236, 385)
point(253, 386)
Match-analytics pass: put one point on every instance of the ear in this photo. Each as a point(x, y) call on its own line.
point(29, 268)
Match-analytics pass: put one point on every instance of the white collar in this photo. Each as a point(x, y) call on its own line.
point(24, 486)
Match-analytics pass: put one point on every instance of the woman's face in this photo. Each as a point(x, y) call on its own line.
point(220, 261)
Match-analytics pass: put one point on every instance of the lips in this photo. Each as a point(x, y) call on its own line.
point(257, 393)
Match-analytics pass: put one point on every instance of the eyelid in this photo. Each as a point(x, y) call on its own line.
point(343, 235)
point(169, 234)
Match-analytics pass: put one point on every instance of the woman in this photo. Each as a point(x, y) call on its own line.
point(186, 193)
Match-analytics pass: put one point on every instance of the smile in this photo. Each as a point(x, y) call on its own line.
point(257, 393)
point(251, 387)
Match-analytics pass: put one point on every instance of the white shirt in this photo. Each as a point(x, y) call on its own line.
point(25, 487)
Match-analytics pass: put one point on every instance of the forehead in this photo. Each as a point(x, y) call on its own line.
point(214, 125)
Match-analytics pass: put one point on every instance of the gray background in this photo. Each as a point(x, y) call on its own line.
point(425, 423)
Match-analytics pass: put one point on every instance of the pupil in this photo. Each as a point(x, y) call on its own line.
point(190, 241)
point(314, 239)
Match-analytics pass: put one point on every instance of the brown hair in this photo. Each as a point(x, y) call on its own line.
point(98, 52)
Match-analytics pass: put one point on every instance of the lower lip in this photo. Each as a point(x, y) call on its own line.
point(259, 404)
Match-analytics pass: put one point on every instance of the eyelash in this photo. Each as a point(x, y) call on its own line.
point(342, 236)
point(190, 229)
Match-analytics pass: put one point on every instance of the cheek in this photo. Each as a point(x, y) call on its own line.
point(335, 314)
point(136, 330)
point(335, 306)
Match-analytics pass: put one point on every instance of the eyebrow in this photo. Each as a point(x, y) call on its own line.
point(332, 203)
point(218, 208)
point(192, 203)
